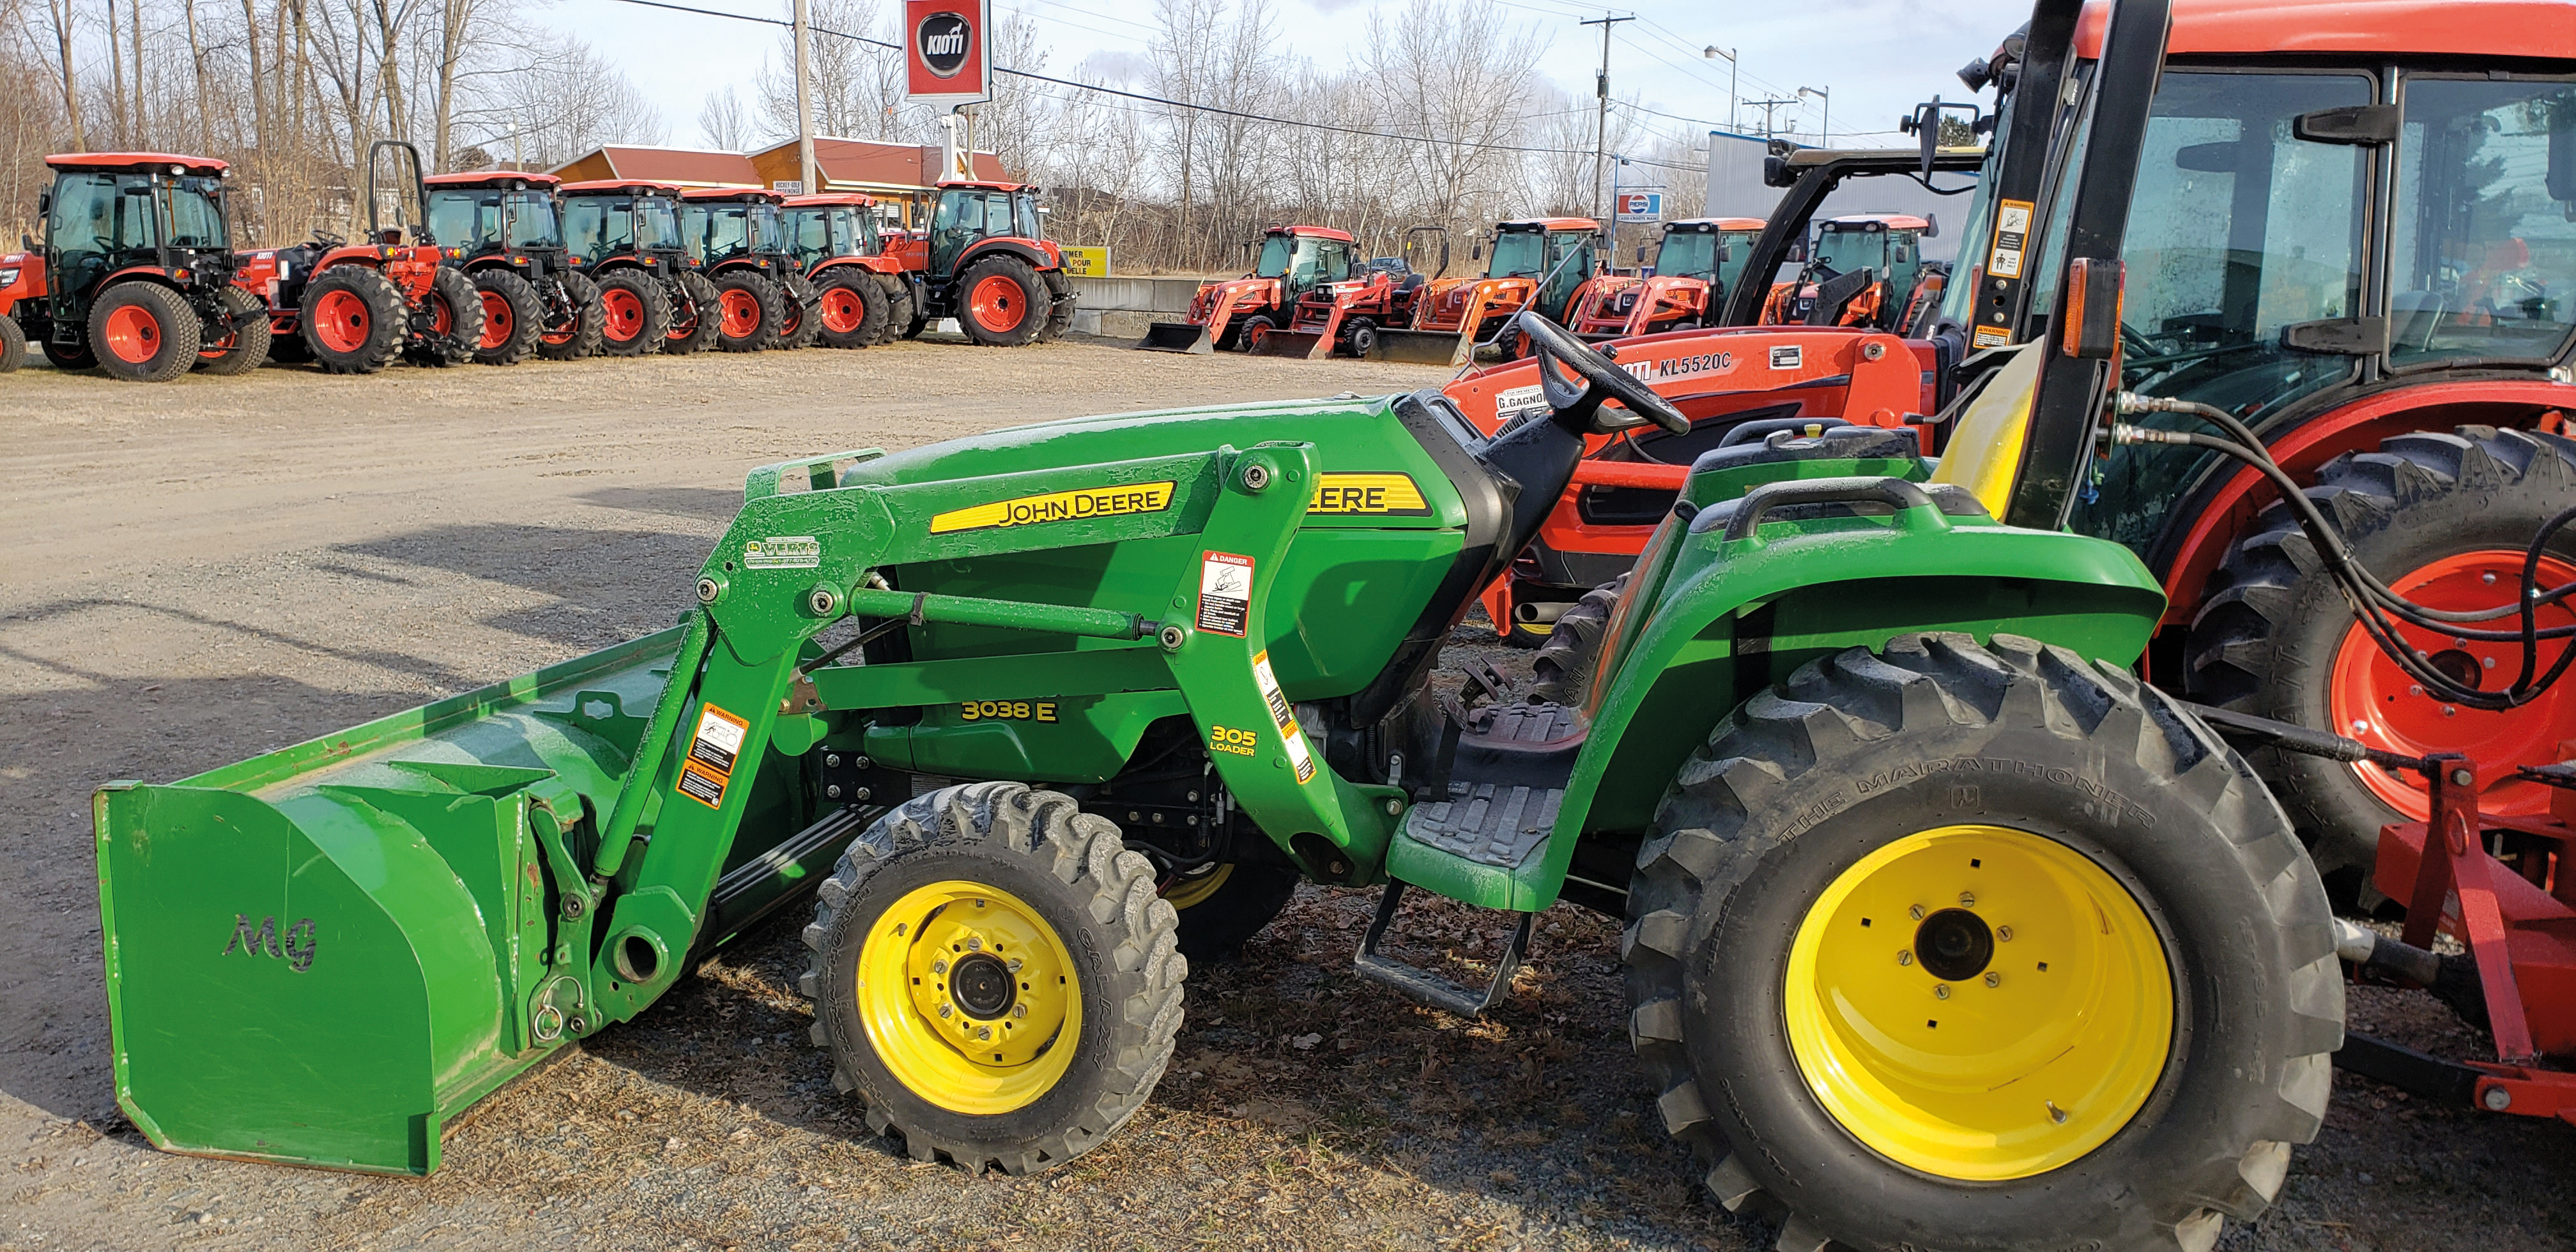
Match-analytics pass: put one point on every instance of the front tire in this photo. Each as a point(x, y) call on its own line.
point(750, 311)
point(924, 942)
point(513, 317)
point(2435, 515)
point(1002, 304)
point(143, 332)
point(354, 320)
point(455, 321)
point(13, 344)
point(1826, 979)
point(853, 308)
point(635, 313)
point(578, 338)
point(243, 350)
point(1225, 905)
point(695, 323)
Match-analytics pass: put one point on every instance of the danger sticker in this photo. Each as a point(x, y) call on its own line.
point(1294, 739)
point(2012, 236)
point(783, 552)
point(1225, 593)
point(1788, 356)
point(1991, 337)
point(719, 739)
point(699, 785)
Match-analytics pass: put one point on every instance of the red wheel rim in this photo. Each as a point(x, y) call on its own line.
point(133, 334)
point(625, 314)
point(497, 320)
point(2372, 700)
point(741, 313)
point(340, 321)
point(683, 325)
point(998, 304)
point(442, 318)
point(1256, 336)
point(842, 311)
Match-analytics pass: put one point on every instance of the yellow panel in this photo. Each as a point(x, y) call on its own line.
point(1985, 449)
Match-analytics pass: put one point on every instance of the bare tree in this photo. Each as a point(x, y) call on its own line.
point(723, 122)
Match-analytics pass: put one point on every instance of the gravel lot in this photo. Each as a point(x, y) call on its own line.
point(200, 572)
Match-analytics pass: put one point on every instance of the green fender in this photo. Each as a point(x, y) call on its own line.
point(1708, 623)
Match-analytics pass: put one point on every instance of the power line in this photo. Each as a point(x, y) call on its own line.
point(1136, 95)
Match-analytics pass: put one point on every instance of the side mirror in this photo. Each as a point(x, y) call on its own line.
point(1477, 252)
point(1641, 254)
point(1931, 226)
point(45, 202)
point(1725, 253)
point(2562, 150)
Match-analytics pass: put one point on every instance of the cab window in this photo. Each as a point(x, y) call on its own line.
point(90, 214)
point(2483, 251)
point(532, 220)
point(194, 209)
point(585, 225)
point(809, 235)
point(469, 219)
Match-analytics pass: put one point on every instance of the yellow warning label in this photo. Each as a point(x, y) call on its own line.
point(1368, 493)
point(1061, 506)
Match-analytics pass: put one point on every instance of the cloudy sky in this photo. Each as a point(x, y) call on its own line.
point(1876, 57)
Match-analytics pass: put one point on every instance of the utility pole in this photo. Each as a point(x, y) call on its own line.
point(1767, 106)
point(1601, 93)
point(1732, 70)
point(804, 105)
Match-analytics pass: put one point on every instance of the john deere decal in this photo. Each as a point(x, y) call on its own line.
point(1368, 493)
point(1061, 506)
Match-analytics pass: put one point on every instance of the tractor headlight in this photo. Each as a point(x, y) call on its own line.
point(8, 276)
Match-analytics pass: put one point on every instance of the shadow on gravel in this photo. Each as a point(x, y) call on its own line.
point(706, 502)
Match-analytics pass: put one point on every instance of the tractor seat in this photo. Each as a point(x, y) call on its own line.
point(1840, 442)
point(1410, 282)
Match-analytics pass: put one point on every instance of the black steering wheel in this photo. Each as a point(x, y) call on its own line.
point(1602, 379)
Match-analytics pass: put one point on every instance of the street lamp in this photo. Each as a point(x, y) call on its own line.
point(1825, 131)
point(1732, 70)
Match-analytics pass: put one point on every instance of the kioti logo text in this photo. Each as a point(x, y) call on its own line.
point(944, 40)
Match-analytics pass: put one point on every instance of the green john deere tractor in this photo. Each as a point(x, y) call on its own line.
point(1942, 929)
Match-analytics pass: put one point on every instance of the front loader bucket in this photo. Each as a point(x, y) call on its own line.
point(325, 954)
point(1423, 347)
point(1305, 345)
point(1178, 337)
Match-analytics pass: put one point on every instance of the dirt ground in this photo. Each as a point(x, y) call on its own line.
point(200, 572)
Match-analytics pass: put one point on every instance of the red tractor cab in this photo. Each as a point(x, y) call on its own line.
point(1538, 264)
point(1241, 313)
point(1700, 260)
point(1867, 270)
point(505, 230)
point(354, 307)
point(738, 236)
point(986, 262)
point(625, 234)
point(136, 273)
point(860, 292)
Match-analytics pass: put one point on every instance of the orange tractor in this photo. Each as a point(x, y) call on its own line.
point(860, 292)
point(353, 308)
point(625, 234)
point(1537, 264)
point(738, 238)
point(986, 261)
point(1700, 261)
point(1867, 269)
point(136, 273)
point(1241, 313)
point(1347, 315)
point(504, 230)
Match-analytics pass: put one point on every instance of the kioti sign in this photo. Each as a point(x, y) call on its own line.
point(948, 51)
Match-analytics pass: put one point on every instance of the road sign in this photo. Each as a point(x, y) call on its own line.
point(1641, 206)
point(1084, 262)
point(948, 51)
point(789, 186)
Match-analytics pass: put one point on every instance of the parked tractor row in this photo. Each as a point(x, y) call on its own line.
point(137, 276)
point(1309, 295)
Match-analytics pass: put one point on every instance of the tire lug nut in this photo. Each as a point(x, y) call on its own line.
point(1915, 912)
point(974, 944)
point(1940, 991)
point(985, 1033)
point(939, 966)
point(1015, 965)
point(2004, 933)
point(1904, 956)
point(1994, 979)
point(1019, 1010)
point(1967, 899)
point(945, 1011)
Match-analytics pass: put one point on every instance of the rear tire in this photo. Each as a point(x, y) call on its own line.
point(455, 318)
point(1042, 882)
point(1000, 302)
point(354, 319)
point(243, 350)
point(143, 332)
point(13, 345)
point(1059, 314)
point(2271, 639)
point(853, 309)
point(2187, 1039)
point(579, 339)
point(750, 310)
point(800, 324)
point(695, 325)
point(513, 316)
point(69, 356)
point(899, 309)
point(635, 313)
point(1226, 905)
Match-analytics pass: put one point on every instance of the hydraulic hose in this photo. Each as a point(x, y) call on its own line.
point(2373, 602)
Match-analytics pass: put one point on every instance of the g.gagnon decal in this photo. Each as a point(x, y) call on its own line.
point(1058, 506)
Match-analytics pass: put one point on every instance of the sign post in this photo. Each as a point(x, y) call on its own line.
point(949, 64)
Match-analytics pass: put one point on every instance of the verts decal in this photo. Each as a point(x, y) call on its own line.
point(1058, 506)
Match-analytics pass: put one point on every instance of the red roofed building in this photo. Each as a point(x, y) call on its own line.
point(895, 173)
point(676, 167)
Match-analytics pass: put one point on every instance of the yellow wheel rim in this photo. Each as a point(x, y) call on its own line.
point(1979, 1003)
point(1195, 891)
point(969, 998)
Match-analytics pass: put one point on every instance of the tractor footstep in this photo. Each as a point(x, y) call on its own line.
point(1429, 988)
